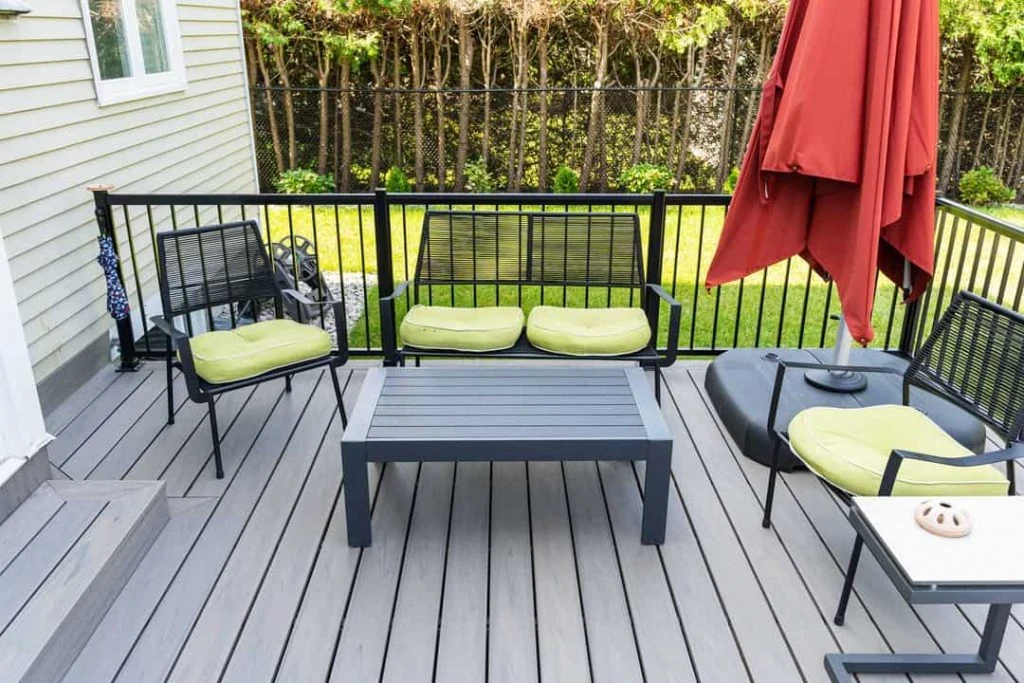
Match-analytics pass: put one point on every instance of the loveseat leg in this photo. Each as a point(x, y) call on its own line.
point(216, 438)
point(851, 572)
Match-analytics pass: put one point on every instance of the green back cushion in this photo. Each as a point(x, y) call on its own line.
point(850, 447)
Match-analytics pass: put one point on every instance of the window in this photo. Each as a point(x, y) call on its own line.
point(135, 48)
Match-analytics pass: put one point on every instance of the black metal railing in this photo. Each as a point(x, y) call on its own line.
point(365, 243)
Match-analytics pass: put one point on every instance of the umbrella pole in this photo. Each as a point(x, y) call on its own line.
point(838, 381)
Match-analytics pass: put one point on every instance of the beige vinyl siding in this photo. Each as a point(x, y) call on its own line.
point(55, 140)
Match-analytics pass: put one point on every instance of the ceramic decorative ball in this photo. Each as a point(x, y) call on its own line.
point(943, 518)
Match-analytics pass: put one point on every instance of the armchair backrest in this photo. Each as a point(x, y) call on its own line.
point(530, 248)
point(200, 268)
point(974, 357)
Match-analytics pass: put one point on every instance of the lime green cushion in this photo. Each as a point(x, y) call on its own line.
point(230, 355)
point(588, 331)
point(849, 447)
point(487, 328)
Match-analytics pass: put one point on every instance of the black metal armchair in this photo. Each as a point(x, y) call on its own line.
point(974, 358)
point(224, 268)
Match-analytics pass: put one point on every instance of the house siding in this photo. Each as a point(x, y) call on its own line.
point(55, 140)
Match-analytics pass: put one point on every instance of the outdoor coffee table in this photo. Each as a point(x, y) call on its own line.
point(506, 412)
point(984, 567)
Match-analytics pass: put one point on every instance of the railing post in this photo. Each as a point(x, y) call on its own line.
point(385, 273)
point(909, 328)
point(655, 247)
point(105, 221)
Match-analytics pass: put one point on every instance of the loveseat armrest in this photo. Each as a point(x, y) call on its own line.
point(675, 313)
point(896, 458)
point(389, 324)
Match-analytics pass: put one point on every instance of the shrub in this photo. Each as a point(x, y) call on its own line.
point(478, 179)
point(644, 178)
point(395, 180)
point(566, 181)
point(304, 181)
point(360, 175)
point(982, 186)
point(730, 180)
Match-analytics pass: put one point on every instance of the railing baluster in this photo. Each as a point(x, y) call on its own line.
point(696, 280)
point(824, 315)
point(782, 302)
point(138, 280)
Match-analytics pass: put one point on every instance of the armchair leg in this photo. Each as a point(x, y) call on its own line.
point(170, 386)
point(211, 405)
point(657, 384)
point(1011, 475)
point(773, 474)
point(851, 572)
point(288, 383)
point(337, 395)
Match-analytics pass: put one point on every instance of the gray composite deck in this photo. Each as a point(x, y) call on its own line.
point(503, 572)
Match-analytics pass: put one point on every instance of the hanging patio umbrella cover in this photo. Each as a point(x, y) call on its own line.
point(840, 167)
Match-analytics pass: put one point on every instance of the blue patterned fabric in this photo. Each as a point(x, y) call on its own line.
point(117, 299)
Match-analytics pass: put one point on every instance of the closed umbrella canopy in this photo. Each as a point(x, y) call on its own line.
point(840, 167)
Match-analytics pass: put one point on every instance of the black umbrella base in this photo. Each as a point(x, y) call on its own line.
point(739, 383)
point(837, 382)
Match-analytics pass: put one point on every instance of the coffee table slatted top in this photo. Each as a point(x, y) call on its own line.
point(549, 403)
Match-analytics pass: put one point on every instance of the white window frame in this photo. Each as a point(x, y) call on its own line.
point(139, 84)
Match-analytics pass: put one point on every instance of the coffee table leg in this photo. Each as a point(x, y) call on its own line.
point(357, 494)
point(840, 667)
point(656, 484)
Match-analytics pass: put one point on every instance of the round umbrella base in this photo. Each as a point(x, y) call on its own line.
point(837, 382)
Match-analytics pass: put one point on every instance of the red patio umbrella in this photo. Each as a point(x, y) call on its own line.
point(840, 167)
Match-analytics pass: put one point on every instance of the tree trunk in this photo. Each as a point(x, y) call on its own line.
point(378, 69)
point(417, 114)
point(486, 64)
point(268, 96)
point(596, 101)
point(641, 108)
point(684, 142)
point(1018, 168)
point(323, 80)
point(981, 133)
point(754, 96)
point(673, 128)
point(518, 98)
point(396, 83)
point(439, 81)
point(956, 117)
point(725, 141)
point(466, 48)
point(1003, 139)
point(346, 125)
point(542, 134)
point(289, 106)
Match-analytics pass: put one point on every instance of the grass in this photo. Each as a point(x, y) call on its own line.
point(784, 305)
point(1011, 213)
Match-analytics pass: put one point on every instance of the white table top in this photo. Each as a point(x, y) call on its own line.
point(993, 553)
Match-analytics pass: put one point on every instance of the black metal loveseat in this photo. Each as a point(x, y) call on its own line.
point(470, 259)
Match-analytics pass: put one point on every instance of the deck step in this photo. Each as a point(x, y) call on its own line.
point(78, 543)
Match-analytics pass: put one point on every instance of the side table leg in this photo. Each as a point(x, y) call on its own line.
point(841, 667)
point(656, 485)
point(357, 494)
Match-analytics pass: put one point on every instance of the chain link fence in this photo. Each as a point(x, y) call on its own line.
point(501, 130)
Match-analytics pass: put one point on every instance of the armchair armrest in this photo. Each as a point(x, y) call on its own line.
point(340, 322)
point(179, 341)
point(675, 311)
point(783, 365)
point(896, 458)
point(389, 325)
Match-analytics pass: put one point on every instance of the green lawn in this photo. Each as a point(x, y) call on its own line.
point(754, 313)
point(1011, 213)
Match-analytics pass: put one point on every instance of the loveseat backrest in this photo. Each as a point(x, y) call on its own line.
point(530, 248)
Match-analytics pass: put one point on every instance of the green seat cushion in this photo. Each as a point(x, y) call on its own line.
point(588, 331)
point(231, 355)
point(849, 447)
point(487, 328)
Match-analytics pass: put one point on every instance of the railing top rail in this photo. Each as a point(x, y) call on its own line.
point(342, 199)
point(997, 225)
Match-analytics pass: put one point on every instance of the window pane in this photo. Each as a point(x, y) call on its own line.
point(151, 33)
point(108, 30)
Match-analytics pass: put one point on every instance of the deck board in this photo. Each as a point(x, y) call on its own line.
point(504, 572)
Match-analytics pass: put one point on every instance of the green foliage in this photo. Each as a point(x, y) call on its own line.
point(566, 181)
point(982, 186)
point(360, 175)
point(304, 181)
point(478, 179)
point(644, 178)
point(395, 180)
point(730, 180)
